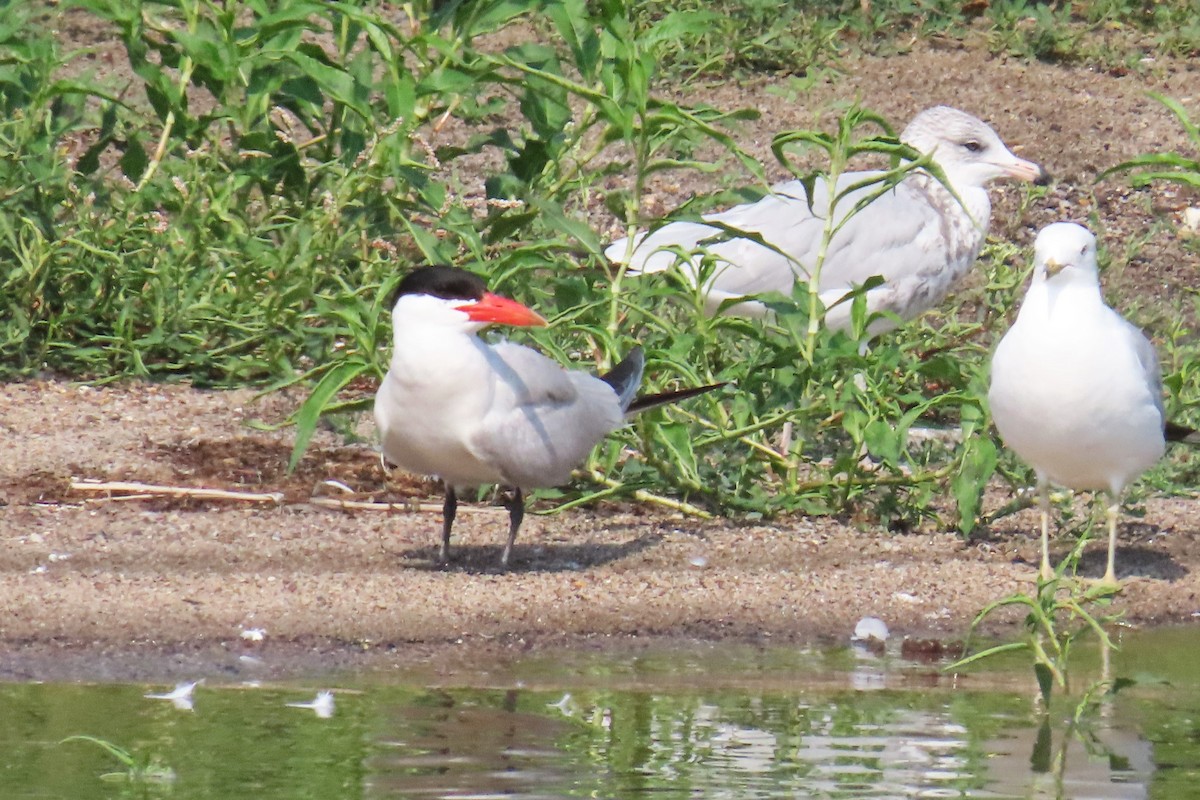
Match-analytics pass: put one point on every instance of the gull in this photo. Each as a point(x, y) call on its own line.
point(474, 413)
point(917, 236)
point(322, 704)
point(180, 696)
point(1076, 390)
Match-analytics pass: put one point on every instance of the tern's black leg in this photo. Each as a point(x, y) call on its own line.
point(516, 513)
point(449, 509)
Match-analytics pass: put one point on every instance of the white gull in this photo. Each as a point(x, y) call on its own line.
point(1076, 390)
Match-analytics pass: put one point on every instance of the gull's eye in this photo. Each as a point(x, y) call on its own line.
point(972, 146)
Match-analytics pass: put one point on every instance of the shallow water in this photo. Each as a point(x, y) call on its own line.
point(711, 721)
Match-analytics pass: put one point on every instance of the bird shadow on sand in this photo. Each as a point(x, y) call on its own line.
point(1135, 558)
point(1133, 561)
point(528, 558)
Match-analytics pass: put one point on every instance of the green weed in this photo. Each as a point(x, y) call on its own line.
point(1033, 30)
point(1173, 167)
point(1061, 612)
point(240, 211)
point(751, 35)
point(136, 769)
point(243, 215)
point(745, 36)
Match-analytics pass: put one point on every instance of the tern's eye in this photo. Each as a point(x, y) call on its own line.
point(972, 146)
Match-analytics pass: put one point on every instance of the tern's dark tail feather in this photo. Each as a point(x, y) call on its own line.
point(1182, 433)
point(626, 377)
point(662, 398)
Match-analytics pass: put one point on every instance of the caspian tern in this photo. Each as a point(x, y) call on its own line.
point(917, 236)
point(1076, 390)
point(475, 413)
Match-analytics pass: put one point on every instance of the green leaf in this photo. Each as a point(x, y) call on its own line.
point(678, 440)
point(1176, 108)
point(990, 652)
point(1186, 178)
point(881, 441)
point(570, 18)
point(553, 214)
point(485, 16)
point(134, 161)
point(401, 94)
point(1041, 760)
point(334, 81)
point(333, 381)
point(116, 751)
point(449, 81)
point(979, 459)
point(1045, 680)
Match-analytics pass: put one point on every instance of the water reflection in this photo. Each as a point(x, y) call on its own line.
point(628, 729)
point(469, 747)
point(918, 753)
point(1090, 756)
point(1039, 762)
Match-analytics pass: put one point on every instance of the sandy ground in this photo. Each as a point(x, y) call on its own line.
point(96, 587)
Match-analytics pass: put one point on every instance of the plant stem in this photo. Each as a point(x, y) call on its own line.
point(649, 497)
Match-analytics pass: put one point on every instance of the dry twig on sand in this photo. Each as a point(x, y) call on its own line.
point(410, 507)
point(141, 490)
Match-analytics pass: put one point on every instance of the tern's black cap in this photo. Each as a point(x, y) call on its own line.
point(448, 283)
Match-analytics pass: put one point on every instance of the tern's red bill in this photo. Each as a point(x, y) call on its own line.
point(501, 311)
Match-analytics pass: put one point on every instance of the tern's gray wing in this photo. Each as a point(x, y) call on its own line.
point(544, 420)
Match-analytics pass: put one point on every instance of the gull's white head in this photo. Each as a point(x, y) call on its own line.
point(967, 149)
point(452, 299)
point(1065, 253)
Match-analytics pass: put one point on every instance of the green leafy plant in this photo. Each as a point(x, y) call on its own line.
point(1174, 167)
point(339, 177)
point(750, 36)
point(1061, 612)
point(239, 212)
point(136, 769)
point(754, 35)
point(1034, 30)
point(1080, 727)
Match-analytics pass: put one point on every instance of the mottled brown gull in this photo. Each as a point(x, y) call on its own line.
point(918, 237)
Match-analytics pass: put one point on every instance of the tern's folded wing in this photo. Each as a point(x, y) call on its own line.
point(545, 420)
